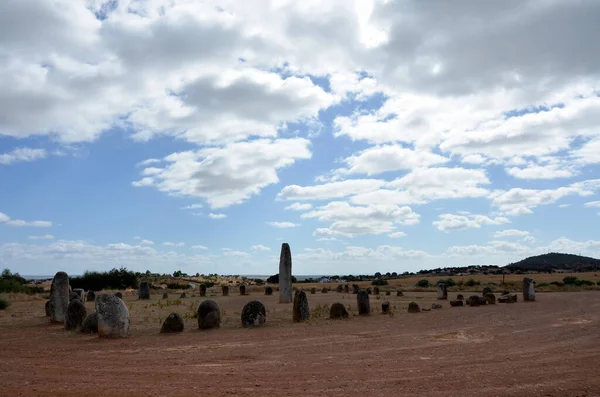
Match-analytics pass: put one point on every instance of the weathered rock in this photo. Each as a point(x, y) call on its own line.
point(268, 291)
point(399, 293)
point(242, 289)
point(73, 295)
point(505, 292)
point(285, 274)
point(91, 296)
point(376, 290)
point(76, 313)
point(442, 290)
point(340, 288)
point(456, 303)
point(475, 300)
point(225, 290)
point(508, 298)
point(90, 323)
point(324, 290)
point(209, 315)
point(301, 311)
point(165, 295)
point(436, 306)
point(173, 323)
point(388, 293)
point(144, 290)
point(486, 290)
point(459, 297)
point(364, 306)
point(119, 295)
point(47, 306)
point(385, 307)
point(338, 311)
point(369, 291)
point(528, 289)
point(59, 297)
point(490, 298)
point(80, 292)
point(413, 307)
point(355, 288)
point(113, 316)
point(202, 290)
point(182, 296)
point(254, 314)
point(313, 291)
point(346, 288)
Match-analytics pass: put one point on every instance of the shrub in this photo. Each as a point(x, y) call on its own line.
point(379, 282)
point(471, 283)
point(450, 282)
point(598, 283)
point(4, 303)
point(14, 283)
point(275, 279)
point(579, 283)
point(569, 280)
point(423, 283)
point(114, 279)
point(557, 283)
point(542, 285)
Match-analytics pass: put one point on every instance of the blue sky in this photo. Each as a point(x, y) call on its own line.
point(371, 136)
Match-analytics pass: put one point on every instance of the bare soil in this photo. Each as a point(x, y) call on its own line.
point(546, 348)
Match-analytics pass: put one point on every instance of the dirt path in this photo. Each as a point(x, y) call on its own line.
point(547, 348)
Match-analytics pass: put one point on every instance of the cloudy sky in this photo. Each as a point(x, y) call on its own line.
point(371, 135)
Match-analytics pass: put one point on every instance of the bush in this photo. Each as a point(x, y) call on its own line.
point(423, 283)
point(379, 282)
point(449, 282)
point(542, 285)
point(471, 283)
point(4, 303)
point(557, 283)
point(275, 279)
point(598, 283)
point(14, 283)
point(580, 283)
point(114, 279)
point(569, 280)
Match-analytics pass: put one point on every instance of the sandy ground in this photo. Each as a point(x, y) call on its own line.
point(546, 348)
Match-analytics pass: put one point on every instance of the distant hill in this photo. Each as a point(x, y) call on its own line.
point(556, 261)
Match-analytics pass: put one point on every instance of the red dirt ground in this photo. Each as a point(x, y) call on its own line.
point(546, 348)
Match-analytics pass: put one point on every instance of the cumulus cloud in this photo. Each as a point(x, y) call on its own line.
point(511, 233)
point(5, 219)
point(299, 206)
point(22, 155)
point(227, 175)
point(260, 248)
point(217, 216)
point(350, 221)
point(173, 244)
point(449, 222)
point(192, 207)
point(397, 235)
point(283, 225)
point(44, 237)
point(199, 247)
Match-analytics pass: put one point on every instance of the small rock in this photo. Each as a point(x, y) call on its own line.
point(254, 314)
point(475, 300)
point(144, 290)
point(385, 307)
point(362, 299)
point(413, 307)
point(436, 306)
point(166, 295)
point(490, 298)
point(459, 297)
point(313, 291)
point(173, 323)
point(76, 313)
point(225, 290)
point(182, 296)
point(399, 293)
point(338, 311)
point(209, 315)
point(456, 303)
point(268, 291)
point(91, 296)
point(90, 324)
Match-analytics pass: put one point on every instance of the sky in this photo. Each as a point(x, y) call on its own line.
point(370, 135)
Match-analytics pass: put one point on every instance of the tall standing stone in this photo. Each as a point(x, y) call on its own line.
point(91, 296)
point(362, 299)
point(76, 313)
point(442, 291)
point(59, 297)
point(242, 289)
point(225, 289)
point(254, 314)
point(209, 315)
point(202, 290)
point(144, 290)
point(113, 316)
point(301, 311)
point(528, 289)
point(285, 274)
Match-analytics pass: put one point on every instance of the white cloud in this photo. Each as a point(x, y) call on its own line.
point(260, 248)
point(148, 162)
point(511, 233)
point(241, 254)
point(146, 242)
point(330, 190)
point(173, 244)
point(299, 206)
point(5, 219)
point(534, 171)
point(449, 222)
point(217, 216)
point(227, 175)
point(283, 225)
point(592, 204)
point(520, 201)
point(192, 207)
point(19, 155)
point(199, 247)
point(349, 221)
point(44, 237)
point(397, 235)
